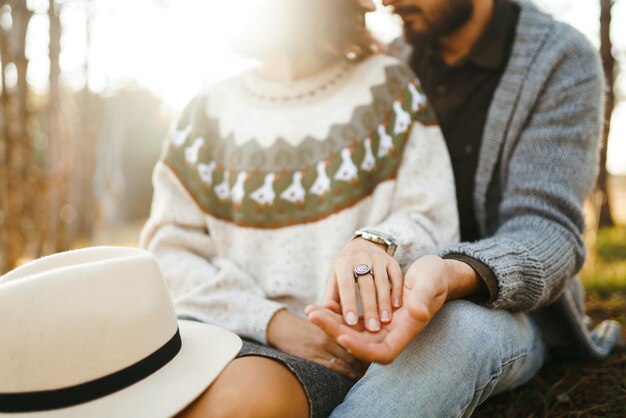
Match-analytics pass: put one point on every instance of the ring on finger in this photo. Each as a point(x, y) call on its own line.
point(362, 270)
point(333, 360)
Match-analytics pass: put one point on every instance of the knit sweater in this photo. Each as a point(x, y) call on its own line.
point(262, 183)
point(538, 162)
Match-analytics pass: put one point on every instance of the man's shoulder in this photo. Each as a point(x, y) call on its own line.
point(561, 38)
point(558, 49)
point(570, 40)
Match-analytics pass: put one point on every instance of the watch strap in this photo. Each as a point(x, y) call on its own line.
point(377, 237)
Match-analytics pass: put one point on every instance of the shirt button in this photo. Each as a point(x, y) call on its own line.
point(469, 149)
point(441, 89)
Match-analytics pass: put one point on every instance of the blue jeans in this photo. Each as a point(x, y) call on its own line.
point(466, 354)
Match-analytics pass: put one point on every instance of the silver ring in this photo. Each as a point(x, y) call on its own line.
point(362, 270)
point(333, 360)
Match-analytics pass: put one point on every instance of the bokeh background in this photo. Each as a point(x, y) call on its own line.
point(90, 88)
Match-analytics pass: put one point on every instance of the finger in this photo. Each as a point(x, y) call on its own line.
point(367, 346)
point(339, 352)
point(383, 294)
point(339, 366)
point(377, 352)
point(331, 293)
point(347, 292)
point(383, 350)
point(331, 323)
point(335, 316)
point(367, 291)
point(397, 283)
point(334, 307)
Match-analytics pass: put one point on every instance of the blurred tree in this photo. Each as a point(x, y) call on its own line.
point(42, 180)
point(608, 61)
point(17, 172)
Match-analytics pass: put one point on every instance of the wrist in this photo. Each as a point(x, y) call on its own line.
point(275, 326)
point(463, 281)
point(371, 244)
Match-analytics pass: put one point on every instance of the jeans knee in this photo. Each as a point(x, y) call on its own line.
point(464, 324)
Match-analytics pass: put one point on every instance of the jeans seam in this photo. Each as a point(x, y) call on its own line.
point(492, 377)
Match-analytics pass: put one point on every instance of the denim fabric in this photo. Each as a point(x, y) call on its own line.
point(466, 354)
point(324, 388)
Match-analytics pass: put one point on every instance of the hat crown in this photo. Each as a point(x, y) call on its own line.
point(74, 317)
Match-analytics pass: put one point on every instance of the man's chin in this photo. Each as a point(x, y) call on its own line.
point(415, 37)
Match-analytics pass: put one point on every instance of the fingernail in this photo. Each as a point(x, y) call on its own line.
point(384, 316)
point(396, 302)
point(351, 318)
point(373, 324)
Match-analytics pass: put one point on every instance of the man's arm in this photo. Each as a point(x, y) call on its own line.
point(538, 245)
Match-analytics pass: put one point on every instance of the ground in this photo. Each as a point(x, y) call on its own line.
point(592, 389)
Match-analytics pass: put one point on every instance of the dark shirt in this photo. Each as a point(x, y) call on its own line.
point(461, 96)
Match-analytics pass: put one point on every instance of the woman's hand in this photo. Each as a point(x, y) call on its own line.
point(301, 338)
point(378, 291)
point(428, 284)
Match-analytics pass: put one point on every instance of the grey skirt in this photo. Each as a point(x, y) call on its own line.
point(324, 388)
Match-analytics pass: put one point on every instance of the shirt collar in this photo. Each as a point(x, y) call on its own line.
point(490, 50)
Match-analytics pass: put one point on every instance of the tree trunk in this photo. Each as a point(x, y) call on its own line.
point(16, 168)
point(59, 161)
point(5, 152)
point(608, 61)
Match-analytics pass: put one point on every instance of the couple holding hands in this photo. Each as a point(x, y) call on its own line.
point(443, 193)
point(389, 237)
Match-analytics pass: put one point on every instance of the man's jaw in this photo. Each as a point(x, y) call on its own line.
point(408, 11)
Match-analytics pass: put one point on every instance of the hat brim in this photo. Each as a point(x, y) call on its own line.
point(205, 351)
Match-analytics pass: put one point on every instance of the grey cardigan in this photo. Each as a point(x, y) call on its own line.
point(540, 149)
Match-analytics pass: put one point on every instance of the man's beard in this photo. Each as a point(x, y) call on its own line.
point(451, 15)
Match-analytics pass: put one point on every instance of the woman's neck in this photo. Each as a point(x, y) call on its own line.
point(286, 68)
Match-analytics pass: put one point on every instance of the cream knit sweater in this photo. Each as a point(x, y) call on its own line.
point(262, 183)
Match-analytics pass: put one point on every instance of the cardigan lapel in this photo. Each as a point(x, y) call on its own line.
point(532, 28)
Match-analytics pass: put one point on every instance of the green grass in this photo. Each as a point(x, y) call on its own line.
point(608, 275)
point(593, 389)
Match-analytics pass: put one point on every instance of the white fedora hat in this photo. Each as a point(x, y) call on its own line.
point(93, 333)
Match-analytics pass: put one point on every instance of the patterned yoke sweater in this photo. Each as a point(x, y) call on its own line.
point(262, 183)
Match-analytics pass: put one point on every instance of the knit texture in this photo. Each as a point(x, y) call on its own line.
point(540, 145)
point(245, 225)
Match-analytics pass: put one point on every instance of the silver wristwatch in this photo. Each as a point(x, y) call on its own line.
point(378, 238)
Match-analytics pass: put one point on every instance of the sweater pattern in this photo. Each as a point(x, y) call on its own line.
point(286, 185)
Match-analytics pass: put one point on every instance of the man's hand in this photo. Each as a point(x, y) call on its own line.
point(299, 337)
point(377, 291)
point(429, 282)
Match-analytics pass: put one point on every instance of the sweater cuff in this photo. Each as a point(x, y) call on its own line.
point(519, 274)
point(482, 271)
point(255, 325)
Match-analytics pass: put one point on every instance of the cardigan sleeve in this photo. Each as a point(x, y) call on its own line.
point(538, 245)
point(424, 217)
point(203, 286)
